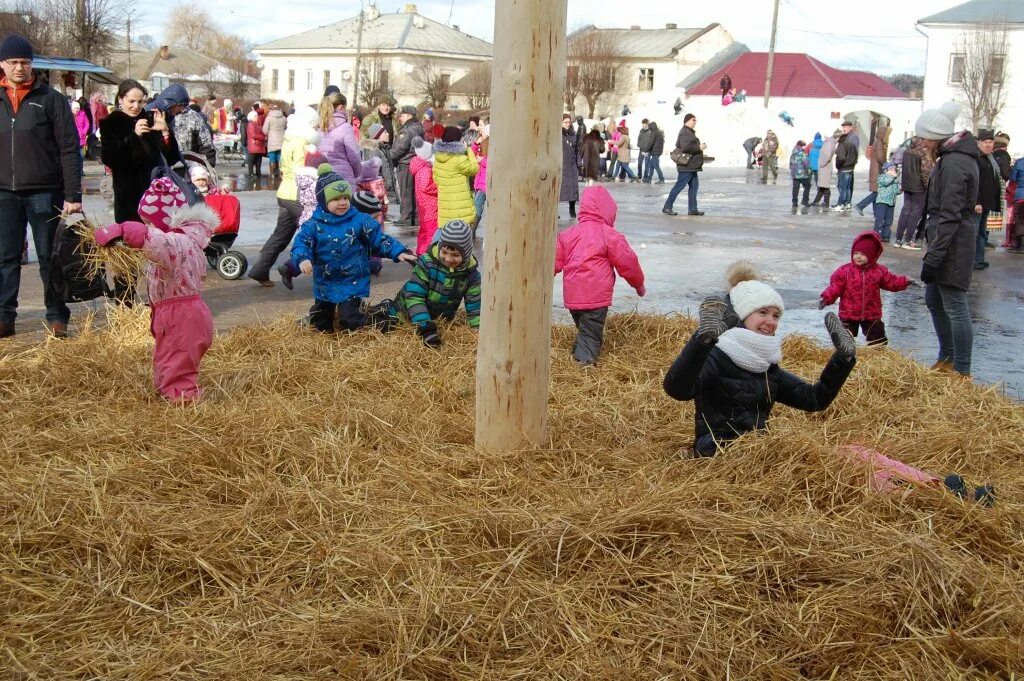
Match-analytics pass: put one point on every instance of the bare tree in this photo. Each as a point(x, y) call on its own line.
point(594, 63)
point(77, 28)
point(431, 83)
point(233, 52)
point(979, 63)
point(374, 78)
point(476, 87)
point(191, 26)
point(25, 18)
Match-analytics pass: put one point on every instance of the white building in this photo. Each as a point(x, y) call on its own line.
point(397, 50)
point(947, 31)
point(653, 61)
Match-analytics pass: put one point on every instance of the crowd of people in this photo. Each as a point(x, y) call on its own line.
point(336, 169)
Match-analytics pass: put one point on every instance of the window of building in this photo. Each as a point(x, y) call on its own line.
point(998, 67)
point(956, 68)
point(273, 80)
point(291, 80)
point(446, 79)
point(646, 83)
point(309, 79)
point(383, 79)
point(327, 78)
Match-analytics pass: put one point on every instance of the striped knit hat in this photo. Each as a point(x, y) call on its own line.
point(458, 235)
point(366, 202)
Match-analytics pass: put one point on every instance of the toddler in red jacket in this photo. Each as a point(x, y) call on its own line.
point(858, 285)
point(589, 254)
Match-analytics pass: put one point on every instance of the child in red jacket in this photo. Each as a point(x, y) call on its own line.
point(858, 284)
point(589, 254)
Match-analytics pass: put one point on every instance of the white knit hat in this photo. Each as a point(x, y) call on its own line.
point(938, 124)
point(748, 297)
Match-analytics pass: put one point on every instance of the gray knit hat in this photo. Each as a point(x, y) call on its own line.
point(422, 149)
point(938, 124)
point(458, 235)
point(366, 202)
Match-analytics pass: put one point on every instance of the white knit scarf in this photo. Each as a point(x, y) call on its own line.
point(751, 350)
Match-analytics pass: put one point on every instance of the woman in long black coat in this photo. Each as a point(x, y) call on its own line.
point(570, 178)
point(132, 141)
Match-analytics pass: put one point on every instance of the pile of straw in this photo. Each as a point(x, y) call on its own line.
point(323, 515)
point(116, 258)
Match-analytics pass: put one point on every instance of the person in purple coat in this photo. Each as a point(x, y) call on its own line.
point(338, 138)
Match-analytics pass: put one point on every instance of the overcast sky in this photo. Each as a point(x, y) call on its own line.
point(872, 35)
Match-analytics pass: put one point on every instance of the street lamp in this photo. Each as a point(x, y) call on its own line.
point(359, 54)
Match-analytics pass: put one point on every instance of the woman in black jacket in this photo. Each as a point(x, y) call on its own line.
point(132, 141)
point(733, 374)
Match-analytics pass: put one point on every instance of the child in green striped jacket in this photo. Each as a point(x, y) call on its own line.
point(444, 277)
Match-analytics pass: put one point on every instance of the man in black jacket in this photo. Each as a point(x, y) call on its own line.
point(401, 154)
point(951, 231)
point(846, 161)
point(643, 145)
point(40, 175)
point(990, 198)
point(691, 153)
point(654, 157)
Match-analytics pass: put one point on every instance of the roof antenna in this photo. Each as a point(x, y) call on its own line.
point(451, 9)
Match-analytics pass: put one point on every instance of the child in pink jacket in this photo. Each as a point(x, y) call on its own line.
point(589, 254)
point(422, 168)
point(173, 236)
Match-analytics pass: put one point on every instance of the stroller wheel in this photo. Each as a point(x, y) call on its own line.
point(232, 265)
point(212, 260)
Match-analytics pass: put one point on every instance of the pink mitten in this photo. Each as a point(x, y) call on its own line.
point(135, 234)
point(107, 235)
point(642, 291)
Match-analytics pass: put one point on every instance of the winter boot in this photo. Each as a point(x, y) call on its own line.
point(817, 198)
point(828, 198)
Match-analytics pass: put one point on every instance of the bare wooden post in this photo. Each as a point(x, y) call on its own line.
point(527, 88)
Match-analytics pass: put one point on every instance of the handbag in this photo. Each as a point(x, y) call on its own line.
point(995, 222)
point(679, 157)
point(163, 169)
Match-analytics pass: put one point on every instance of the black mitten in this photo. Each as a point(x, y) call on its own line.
point(428, 332)
point(841, 338)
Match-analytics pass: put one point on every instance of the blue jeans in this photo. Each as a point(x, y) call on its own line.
point(479, 201)
point(624, 168)
point(41, 210)
point(979, 249)
point(883, 220)
point(640, 160)
point(953, 327)
point(869, 199)
point(653, 166)
point(686, 178)
point(845, 184)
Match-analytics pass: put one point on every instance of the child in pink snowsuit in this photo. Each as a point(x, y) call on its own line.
point(422, 168)
point(173, 238)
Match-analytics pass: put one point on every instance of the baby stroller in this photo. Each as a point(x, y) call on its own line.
point(228, 263)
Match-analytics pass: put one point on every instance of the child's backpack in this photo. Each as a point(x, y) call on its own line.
point(70, 277)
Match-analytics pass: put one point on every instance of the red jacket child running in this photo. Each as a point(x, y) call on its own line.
point(858, 287)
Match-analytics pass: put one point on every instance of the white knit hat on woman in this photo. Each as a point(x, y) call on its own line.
point(748, 297)
point(938, 124)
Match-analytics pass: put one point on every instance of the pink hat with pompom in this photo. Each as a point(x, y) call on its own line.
point(160, 202)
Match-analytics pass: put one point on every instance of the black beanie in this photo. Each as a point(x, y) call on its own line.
point(15, 47)
point(451, 134)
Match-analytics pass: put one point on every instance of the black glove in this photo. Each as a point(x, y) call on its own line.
point(929, 273)
point(846, 347)
point(428, 332)
point(712, 320)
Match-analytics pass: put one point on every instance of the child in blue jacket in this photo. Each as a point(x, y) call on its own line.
point(335, 246)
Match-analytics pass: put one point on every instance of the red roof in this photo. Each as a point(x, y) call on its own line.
point(795, 75)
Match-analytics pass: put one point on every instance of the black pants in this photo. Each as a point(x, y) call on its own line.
point(825, 194)
point(328, 317)
point(288, 214)
point(874, 331)
point(255, 164)
point(589, 334)
point(407, 195)
point(806, 184)
point(910, 216)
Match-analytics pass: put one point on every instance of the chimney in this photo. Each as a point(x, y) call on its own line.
point(671, 26)
point(455, 26)
point(410, 8)
point(165, 52)
point(634, 28)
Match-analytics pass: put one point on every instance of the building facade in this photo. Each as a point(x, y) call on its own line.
point(403, 55)
point(970, 39)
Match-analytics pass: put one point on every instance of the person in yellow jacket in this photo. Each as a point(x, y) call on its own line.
point(300, 138)
point(454, 167)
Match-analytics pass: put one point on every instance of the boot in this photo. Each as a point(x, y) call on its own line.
point(817, 198)
point(828, 197)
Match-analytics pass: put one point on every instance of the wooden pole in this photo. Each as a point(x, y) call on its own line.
point(771, 56)
point(513, 359)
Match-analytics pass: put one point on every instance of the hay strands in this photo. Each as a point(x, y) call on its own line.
point(117, 258)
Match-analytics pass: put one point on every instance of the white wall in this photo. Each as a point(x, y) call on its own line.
point(724, 128)
point(942, 42)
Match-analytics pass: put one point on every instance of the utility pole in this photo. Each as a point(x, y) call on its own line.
point(513, 361)
point(359, 55)
point(771, 56)
point(128, 39)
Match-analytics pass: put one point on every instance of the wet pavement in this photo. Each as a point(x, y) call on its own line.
point(684, 259)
